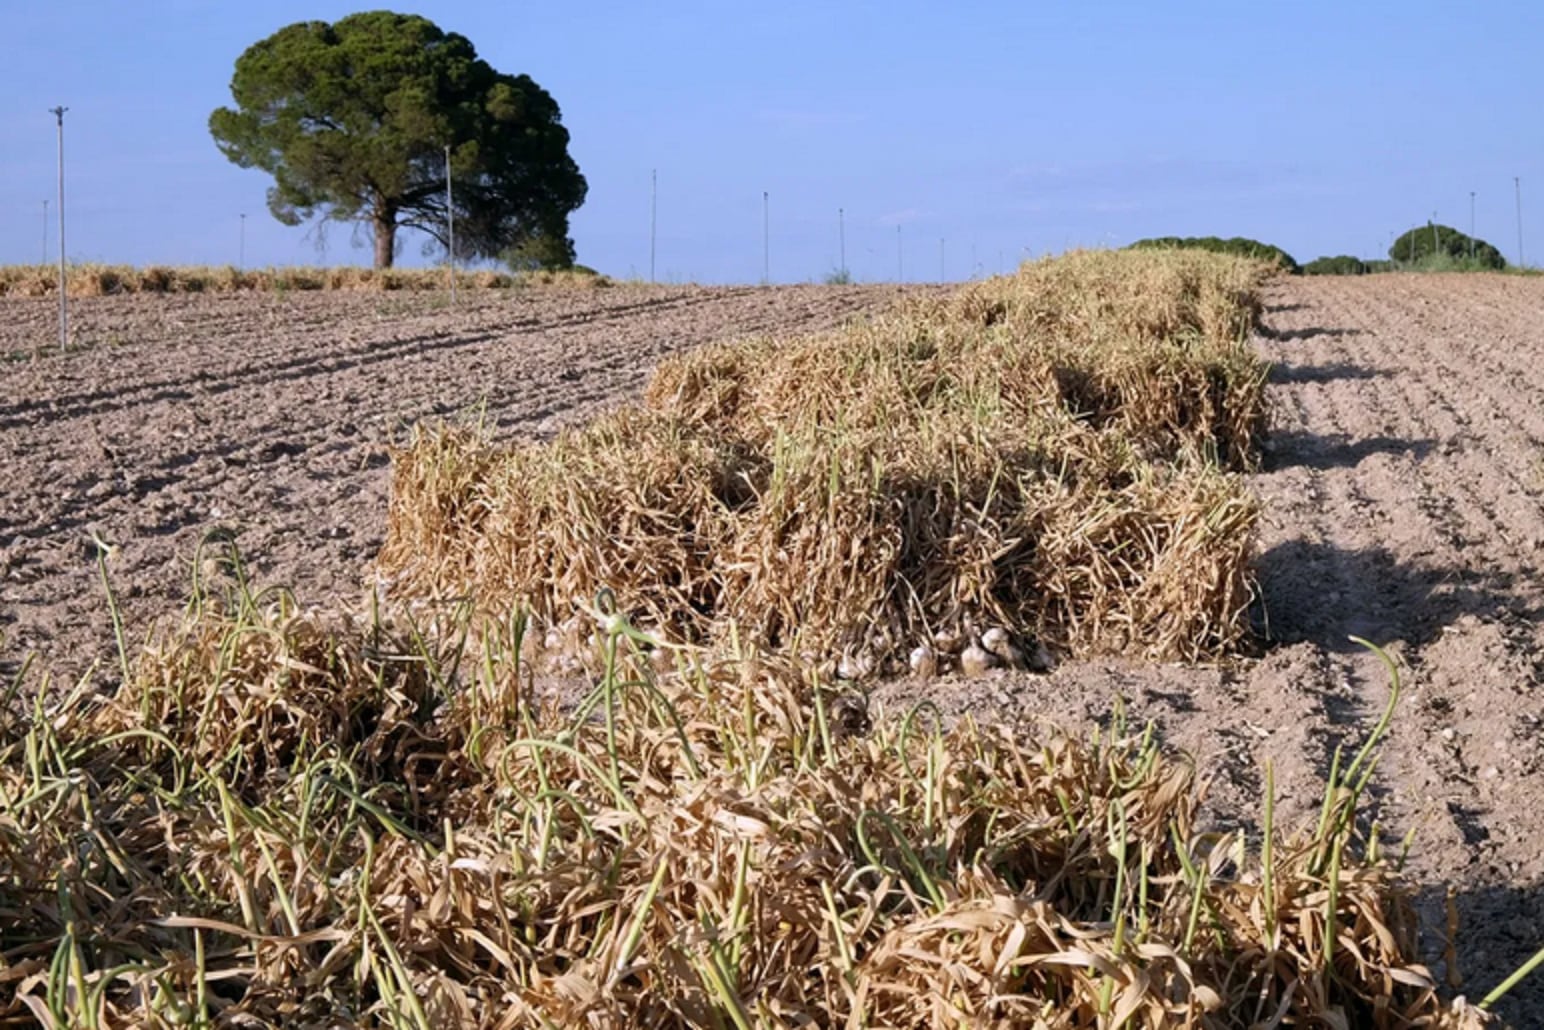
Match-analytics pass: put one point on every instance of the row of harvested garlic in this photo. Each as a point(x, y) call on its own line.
point(976, 656)
point(950, 650)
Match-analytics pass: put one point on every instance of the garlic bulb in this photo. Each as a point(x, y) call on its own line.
point(975, 661)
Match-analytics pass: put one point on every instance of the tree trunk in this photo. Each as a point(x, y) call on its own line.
point(385, 234)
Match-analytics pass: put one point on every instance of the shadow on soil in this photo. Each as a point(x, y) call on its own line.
point(1308, 333)
point(1286, 373)
point(1322, 594)
point(1335, 450)
point(1499, 928)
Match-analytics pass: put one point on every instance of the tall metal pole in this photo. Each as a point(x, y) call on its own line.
point(64, 306)
point(653, 216)
point(1518, 183)
point(1471, 225)
point(450, 227)
point(241, 248)
point(766, 239)
point(841, 235)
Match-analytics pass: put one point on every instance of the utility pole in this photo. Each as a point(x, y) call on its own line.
point(1471, 225)
point(64, 313)
point(241, 247)
point(1518, 183)
point(841, 235)
point(653, 216)
point(450, 227)
point(766, 238)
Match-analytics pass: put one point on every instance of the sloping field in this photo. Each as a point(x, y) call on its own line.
point(1400, 489)
point(269, 416)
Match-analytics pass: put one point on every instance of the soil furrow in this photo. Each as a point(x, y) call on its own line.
point(269, 417)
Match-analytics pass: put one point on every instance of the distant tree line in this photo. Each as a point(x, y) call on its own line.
point(1427, 247)
point(1340, 264)
point(1443, 241)
point(1430, 247)
point(1239, 245)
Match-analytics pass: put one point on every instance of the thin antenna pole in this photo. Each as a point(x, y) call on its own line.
point(841, 235)
point(653, 216)
point(450, 227)
point(64, 305)
point(1518, 183)
point(766, 239)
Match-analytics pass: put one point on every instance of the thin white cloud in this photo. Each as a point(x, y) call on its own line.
point(905, 216)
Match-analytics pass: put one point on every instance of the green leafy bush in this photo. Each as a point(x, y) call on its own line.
point(1239, 245)
point(1451, 249)
point(1340, 264)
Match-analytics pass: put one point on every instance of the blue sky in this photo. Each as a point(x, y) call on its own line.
point(999, 129)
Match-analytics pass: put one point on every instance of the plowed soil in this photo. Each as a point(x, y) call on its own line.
point(269, 417)
point(1403, 487)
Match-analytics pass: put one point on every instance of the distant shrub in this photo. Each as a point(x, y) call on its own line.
point(156, 279)
point(838, 277)
point(1340, 264)
point(1238, 245)
point(95, 280)
point(1441, 248)
point(578, 277)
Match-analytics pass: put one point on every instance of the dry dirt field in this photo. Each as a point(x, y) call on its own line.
point(1403, 487)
